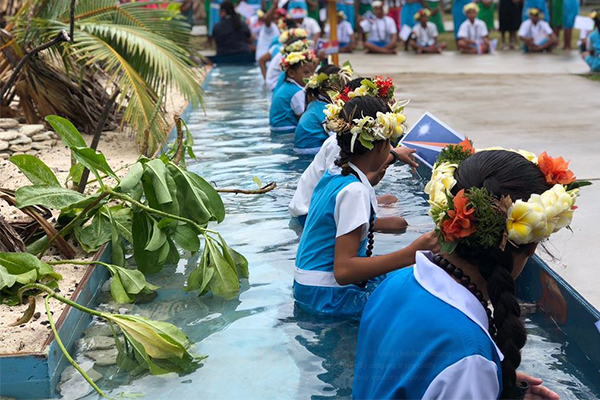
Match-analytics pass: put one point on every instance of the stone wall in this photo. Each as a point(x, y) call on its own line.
point(16, 138)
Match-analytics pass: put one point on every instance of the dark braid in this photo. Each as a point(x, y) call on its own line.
point(501, 173)
point(314, 94)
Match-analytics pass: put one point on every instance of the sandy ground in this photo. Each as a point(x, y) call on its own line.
point(120, 151)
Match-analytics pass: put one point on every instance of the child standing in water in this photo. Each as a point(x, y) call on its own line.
point(289, 102)
point(334, 263)
point(310, 132)
point(473, 33)
point(428, 332)
point(592, 53)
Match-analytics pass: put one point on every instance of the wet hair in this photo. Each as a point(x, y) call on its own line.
point(229, 9)
point(502, 173)
point(313, 94)
point(355, 83)
point(358, 107)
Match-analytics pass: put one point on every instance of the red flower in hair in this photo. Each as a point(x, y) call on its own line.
point(466, 145)
point(344, 95)
point(383, 86)
point(459, 222)
point(556, 170)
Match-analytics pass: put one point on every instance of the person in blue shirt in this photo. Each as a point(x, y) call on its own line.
point(428, 332)
point(333, 262)
point(310, 132)
point(289, 101)
point(539, 4)
point(592, 53)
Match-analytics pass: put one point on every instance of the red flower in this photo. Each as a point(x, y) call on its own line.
point(556, 170)
point(344, 95)
point(459, 222)
point(466, 145)
point(383, 86)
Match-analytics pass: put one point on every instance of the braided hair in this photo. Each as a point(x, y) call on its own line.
point(314, 94)
point(510, 174)
point(358, 107)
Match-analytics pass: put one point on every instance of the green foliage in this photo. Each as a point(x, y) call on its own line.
point(19, 269)
point(491, 223)
point(49, 196)
point(453, 154)
point(35, 170)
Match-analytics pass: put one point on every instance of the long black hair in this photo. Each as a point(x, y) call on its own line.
point(502, 173)
point(229, 9)
point(597, 19)
point(313, 94)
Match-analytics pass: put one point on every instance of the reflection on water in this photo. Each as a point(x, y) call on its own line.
point(259, 345)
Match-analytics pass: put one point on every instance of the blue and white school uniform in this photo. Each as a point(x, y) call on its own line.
point(380, 30)
point(274, 68)
point(539, 33)
point(324, 159)
point(344, 33)
point(310, 132)
point(593, 45)
point(539, 4)
point(288, 104)
point(340, 204)
point(424, 336)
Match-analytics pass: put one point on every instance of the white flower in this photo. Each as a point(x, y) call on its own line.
point(525, 222)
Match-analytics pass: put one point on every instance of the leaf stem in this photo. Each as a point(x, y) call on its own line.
point(79, 262)
point(58, 297)
point(66, 353)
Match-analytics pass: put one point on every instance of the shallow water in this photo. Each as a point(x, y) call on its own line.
point(259, 345)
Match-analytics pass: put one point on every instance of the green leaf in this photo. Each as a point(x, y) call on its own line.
point(146, 261)
point(187, 238)
point(35, 170)
point(82, 204)
point(191, 200)
point(75, 173)
point(122, 218)
point(127, 283)
point(23, 268)
point(225, 282)
point(51, 197)
point(257, 180)
point(235, 259)
point(66, 131)
point(157, 172)
point(158, 238)
point(94, 161)
point(132, 179)
point(448, 247)
point(94, 235)
point(201, 276)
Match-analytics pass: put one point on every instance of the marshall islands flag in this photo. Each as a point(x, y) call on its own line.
point(429, 136)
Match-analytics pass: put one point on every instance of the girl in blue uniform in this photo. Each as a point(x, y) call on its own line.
point(428, 332)
point(289, 101)
point(592, 55)
point(310, 132)
point(333, 263)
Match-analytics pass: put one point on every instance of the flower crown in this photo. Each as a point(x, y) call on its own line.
point(298, 33)
point(535, 11)
point(423, 12)
point(479, 219)
point(594, 14)
point(298, 45)
point(367, 130)
point(377, 87)
point(297, 57)
point(471, 6)
point(318, 80)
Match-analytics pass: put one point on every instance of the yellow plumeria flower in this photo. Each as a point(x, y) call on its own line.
point(295, 57)
point(332, 111)
point(313, 82)
point(528, 155)
point(441, 182)
point(524, 218)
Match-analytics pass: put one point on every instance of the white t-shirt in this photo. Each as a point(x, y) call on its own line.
point(425, 36)
point(311, 27)
point(379, 29)
point(344, 32)
point(324, 159)
point(538, 32)
point(473, 31)
point(273, 71)
point(266, 34)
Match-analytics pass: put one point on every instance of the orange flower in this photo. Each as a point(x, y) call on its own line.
point(459, 222)
point(466, 145)
point(556, 170)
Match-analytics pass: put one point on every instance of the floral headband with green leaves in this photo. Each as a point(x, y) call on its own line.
point(479, 219)
point(339, 79)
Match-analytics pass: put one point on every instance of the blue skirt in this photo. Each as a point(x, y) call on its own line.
point(408, 14)
point(570, 11)
point(458, 15)
point(379, 44)
point(348, 9)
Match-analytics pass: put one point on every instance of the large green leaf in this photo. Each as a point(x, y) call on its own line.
point(234, 258)
point(157, 239)
point(23, 268)
point(94, 235)
point(192, 202)
point(66, 131)
point(215, 203)
point(122, 218)
point(201, 276)
point(35, 170)
point(126, 283)
point(225, 282)
point(157, 172)
point(94, 161)
point(52, 197)
point(187, 238)
point(132, 179)
point(146, 261)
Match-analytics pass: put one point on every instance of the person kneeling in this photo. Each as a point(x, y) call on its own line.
point(473, 33)
point(536, 34)
point(383, 34)
point(425, 34)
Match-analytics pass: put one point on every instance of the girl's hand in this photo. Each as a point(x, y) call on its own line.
point(536, 390)
point(427, 241)
point(405, 155)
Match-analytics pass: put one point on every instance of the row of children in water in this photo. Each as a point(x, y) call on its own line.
point(426, 331)
point(426, 328)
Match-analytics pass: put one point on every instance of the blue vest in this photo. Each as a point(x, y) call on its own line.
point(280, 81)
point(282, 118)
point(310, 133)
point(316, 253)
point(408, 336)
point(594, 60)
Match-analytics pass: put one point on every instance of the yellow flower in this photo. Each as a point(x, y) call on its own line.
point(359, 91)
point(524, 221)
point(295, 57)
point(558, 208)
point(332, 111)
point(387, 122)
point(313, 82)
point(441, 182)
point(528, 155)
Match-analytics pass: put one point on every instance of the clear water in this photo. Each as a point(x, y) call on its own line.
point(259, 345)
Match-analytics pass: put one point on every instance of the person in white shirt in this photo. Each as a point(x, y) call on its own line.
point(424, 34)
point(345, 33)
point(382, 30)
point(267, 31)
point(473, 33)
point(536, 34)
point(310, 25)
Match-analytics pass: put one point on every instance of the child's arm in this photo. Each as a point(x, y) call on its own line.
point(262, 62)
point(349, 268)
point(270, 15)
